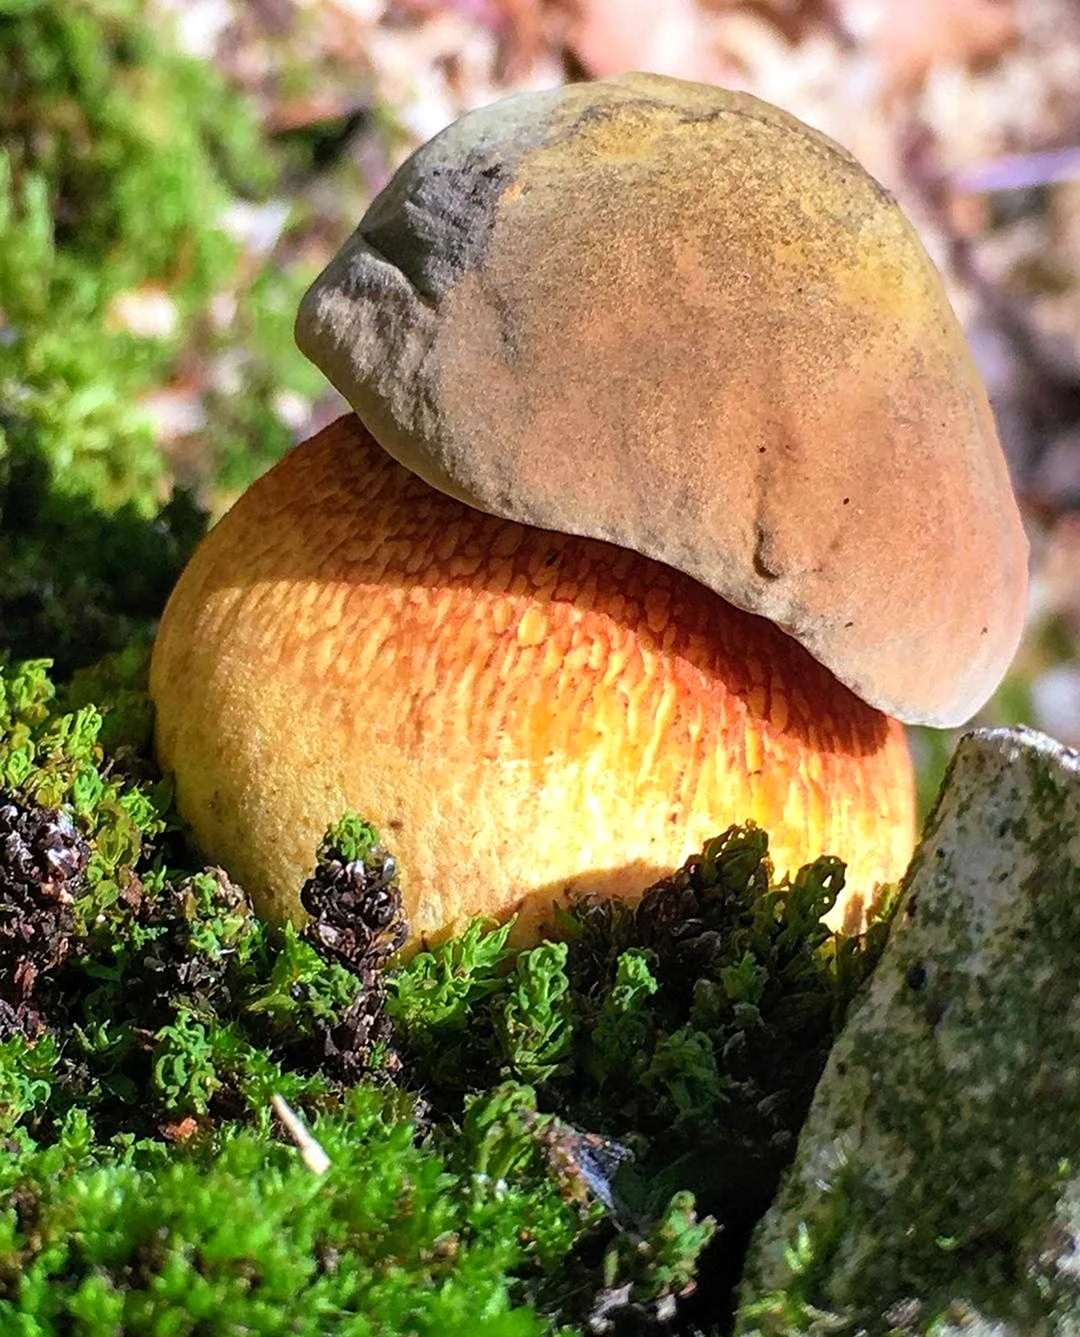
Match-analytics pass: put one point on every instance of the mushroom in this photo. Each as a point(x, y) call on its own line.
point(695, 494)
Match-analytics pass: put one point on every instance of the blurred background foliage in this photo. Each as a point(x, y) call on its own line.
point(174, 172)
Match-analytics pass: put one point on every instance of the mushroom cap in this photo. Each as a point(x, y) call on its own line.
point(524, 716)
point(675, 318)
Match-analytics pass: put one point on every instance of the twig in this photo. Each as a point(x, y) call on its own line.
point(313, 1156)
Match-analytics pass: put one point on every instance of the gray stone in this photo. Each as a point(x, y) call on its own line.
point(936, 1188)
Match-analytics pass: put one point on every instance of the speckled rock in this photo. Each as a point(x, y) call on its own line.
point(936, 1187)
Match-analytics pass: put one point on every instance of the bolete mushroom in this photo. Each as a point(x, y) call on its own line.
point(701, 496)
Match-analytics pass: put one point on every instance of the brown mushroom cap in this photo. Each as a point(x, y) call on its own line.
point(523, 715)
point(677, 319)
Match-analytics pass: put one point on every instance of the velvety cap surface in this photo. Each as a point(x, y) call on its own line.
point(677, 319)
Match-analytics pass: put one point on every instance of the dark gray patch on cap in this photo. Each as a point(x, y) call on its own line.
point(433, 220)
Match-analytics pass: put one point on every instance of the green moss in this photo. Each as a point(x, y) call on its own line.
point(479, 1125)
point(147, 1020)
point(693, 1029)
point(110, 179)
point(354, 838)
point(238, 1235)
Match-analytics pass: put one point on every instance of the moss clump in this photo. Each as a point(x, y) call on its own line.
point(518, 1143)
point(235, 1234)
point(691, 1029)
point(151, 1021)
point(171, 997)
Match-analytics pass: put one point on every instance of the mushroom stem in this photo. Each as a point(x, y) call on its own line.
point(524, 715)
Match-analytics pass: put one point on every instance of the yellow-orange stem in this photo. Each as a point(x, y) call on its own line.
point(522, 714)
